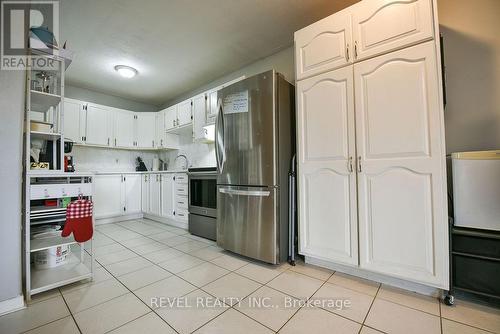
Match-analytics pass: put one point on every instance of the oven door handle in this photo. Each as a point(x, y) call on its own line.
point(258, 193)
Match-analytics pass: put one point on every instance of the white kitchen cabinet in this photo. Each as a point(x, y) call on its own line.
point(171, 118)
point(381, 26)
point(98, 125)
point(211, 106)
point(145, 193)
point(184, 113)
point(132, 191)
point(154, 194)
point(324, 45)
point(181, 196)
point(108, 196)
point(145, 129)
point(167, 195)
point(326, 153)
point(124, 129)
point(161, 135)
point(199, 116)
point(73, 119)
point(401, 165)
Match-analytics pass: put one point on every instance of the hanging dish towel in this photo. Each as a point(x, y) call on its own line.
point(79, 220)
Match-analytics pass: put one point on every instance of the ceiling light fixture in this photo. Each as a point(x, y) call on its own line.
point(126, 71)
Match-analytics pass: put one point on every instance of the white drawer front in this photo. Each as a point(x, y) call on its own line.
point(181, 178)
point(181, 189)
point(181, 215)
point(181, 202)
point(44, 191)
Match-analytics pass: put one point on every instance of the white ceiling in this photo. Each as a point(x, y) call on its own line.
point(177, 45)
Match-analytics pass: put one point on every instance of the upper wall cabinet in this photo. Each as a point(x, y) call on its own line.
point(145, 129)
point(323, 46)
point(380, 26)
point(99, 125)
point(199, 116)
point(73, 118)
point(124, 129)
point(171, 118)
point(184, 113)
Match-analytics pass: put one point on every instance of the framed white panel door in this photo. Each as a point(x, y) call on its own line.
point(199, 116)
point(154, 194)
point(171, 117)
point(107, 196)
point(167, 195)
point(124, 129)
point(133, 198)
point(145, 193)
point(161, 135)
point(211, 106)
point(381, 26)
point(184, 113)
point(98, 126)
point(324, 45)
point(326, 176)
point(145, 129)
point(72, 121)
point(403, 225)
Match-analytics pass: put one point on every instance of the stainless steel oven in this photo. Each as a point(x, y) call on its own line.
point(203, 202)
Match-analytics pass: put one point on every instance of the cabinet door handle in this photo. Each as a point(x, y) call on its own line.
point(360, 169)
point(355, 49)
point(153, 143)
point(161, 142)
point(350, 165)
point(347, 52)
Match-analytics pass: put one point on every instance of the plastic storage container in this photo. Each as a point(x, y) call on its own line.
point(476, 189)
point(52, 257)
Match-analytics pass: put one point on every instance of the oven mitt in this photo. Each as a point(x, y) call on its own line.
point(79, 220)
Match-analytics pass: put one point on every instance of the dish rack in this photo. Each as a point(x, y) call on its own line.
point(78, 260)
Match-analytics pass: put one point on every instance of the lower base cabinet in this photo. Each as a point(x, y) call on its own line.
point(156, 194)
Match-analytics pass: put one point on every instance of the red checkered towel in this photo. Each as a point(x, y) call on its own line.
point(79, 220)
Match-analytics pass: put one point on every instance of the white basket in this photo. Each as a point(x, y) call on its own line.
point(52, 257)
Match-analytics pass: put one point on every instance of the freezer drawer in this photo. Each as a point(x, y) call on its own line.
point(247, 221)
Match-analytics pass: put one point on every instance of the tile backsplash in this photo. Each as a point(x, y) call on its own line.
point(91, 159)
point(198, 154)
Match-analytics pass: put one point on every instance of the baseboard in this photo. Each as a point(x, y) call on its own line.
point(396, 282)
point(171, 222)
point(116, 219)
point(12, 305)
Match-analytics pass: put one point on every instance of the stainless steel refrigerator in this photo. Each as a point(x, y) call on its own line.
point(255, 141)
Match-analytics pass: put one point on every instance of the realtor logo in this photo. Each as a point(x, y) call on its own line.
point(24, 25)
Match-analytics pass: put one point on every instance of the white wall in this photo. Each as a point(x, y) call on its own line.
point(471, 31)
point(282, 61)
point(11, 132)
point(91, 159)
point(88, 95)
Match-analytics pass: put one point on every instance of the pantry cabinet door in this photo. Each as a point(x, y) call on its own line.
point(107, 196)
point(73, 127)
point(98, 125)
point(381, 26)
point(133, 198)
point(124, 129)
point(324, 45)
point(154, 194)
point(171, 118)
point(167, 195)
point(403, 225)
point(145, 193)
point(326, 176)
point(199, 116)
point(145, 129)
point(184, 113)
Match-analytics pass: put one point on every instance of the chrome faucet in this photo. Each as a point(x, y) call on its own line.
point(185, 158)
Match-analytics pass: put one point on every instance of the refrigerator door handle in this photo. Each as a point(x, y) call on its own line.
point(220, 150)
point(257, 193)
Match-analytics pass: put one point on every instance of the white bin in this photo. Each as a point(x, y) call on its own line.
point(52, 257)
point(476, 189)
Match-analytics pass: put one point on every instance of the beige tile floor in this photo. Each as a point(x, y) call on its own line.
point(141, 259)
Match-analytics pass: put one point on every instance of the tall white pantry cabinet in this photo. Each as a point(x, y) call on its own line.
point(371, 153)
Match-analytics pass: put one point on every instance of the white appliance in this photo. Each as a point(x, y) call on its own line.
point(476, 189)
